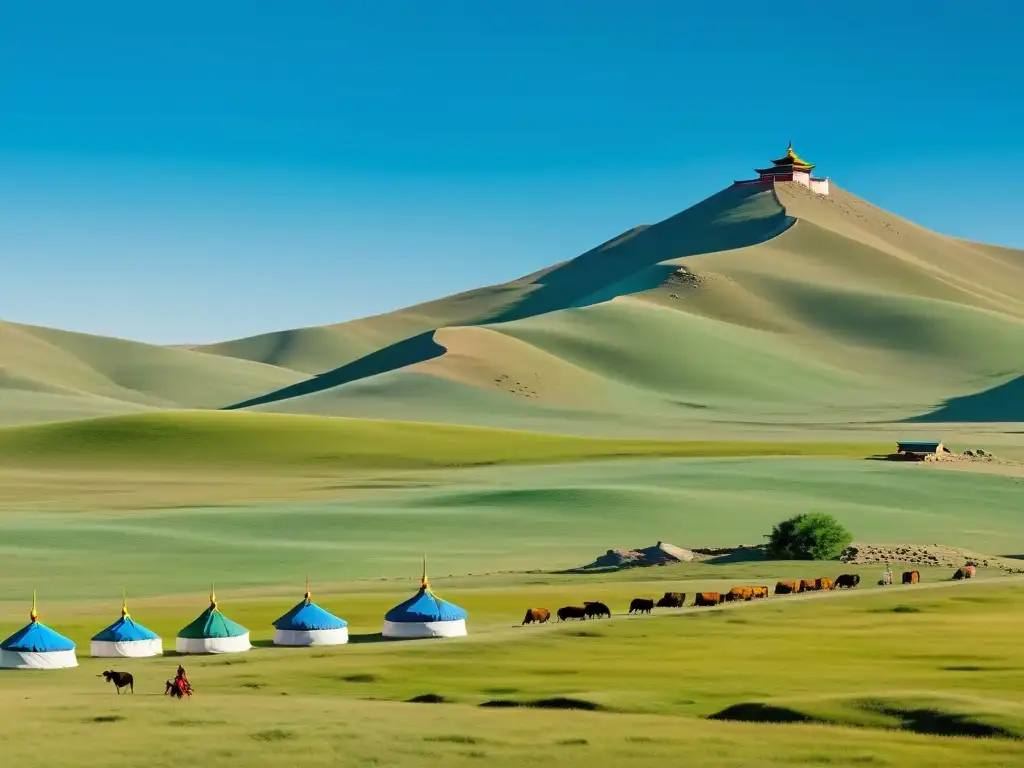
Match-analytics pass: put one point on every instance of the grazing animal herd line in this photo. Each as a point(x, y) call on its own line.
point(591, 610)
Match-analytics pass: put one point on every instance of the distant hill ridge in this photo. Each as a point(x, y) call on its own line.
point(760, 305)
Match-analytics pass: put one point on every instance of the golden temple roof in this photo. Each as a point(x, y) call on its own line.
point(792, 158)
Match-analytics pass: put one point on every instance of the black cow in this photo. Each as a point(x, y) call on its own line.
point(597, 610)
point(120, 680)
point(848, 581)
point(641, 605)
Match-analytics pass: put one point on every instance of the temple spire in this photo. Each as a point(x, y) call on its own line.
point(308, 594)
point(213, 596)
point(426, 582)
point(124, 603)
point(34, 615)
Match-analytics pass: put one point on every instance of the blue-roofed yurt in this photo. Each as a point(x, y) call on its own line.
point(424, 615)
point(309, 624)
point(213, 632)
point(36, 646)
point(126, 638)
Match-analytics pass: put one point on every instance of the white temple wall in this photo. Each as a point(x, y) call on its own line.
point(820, 186)
point(802, 177)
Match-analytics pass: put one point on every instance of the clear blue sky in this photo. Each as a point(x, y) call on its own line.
point(220, 169)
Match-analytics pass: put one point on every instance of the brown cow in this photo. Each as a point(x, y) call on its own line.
point(825, 584)
point(572, 612)
point(760, 592)
point(708, 598)
point(787, 587)
point(740, 593)
point(848, 581)
point(641, 605)
point(962, 573)
point(911, 577)
point(809, 585)
point(539, 615)
point(672, 600)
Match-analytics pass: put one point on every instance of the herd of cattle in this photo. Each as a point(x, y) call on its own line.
point(597, 610)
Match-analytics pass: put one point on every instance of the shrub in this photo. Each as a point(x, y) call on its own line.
point(812, 536)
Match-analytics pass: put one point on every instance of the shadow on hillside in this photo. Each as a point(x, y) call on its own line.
point(756, 712)
point(1002, 403)
point(736, 217)
point(631, 262)
point(408, 352)
point(367, 637)
point(935, 722)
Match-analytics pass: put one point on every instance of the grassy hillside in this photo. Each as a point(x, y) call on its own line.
point(756, 307)
point(211, 440)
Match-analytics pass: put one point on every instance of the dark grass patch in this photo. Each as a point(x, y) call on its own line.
point(557, 702)
point(572, 743)
point(274, 734)
point(427, 698)
point(255, 686)
point(475, 754)
point(935, 722)
point(585, 633)
point(757, 712)
point(361, 678)
point(454, 739)
point(552, 672)
point(975, 668)
point(898, 609)
point(500, 691)
point(105, 719)
point(229, 662)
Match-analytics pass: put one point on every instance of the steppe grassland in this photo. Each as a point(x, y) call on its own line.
point(849, 659)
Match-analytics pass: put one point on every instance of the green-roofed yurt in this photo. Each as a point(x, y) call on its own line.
point(213, 632)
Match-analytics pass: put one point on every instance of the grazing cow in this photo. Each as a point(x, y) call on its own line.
point(967, 572)
point(641, 605)
point(672, 600)
point(572, 612)
point(825, 584)
point(970, 571)
point(740, 593)
point(597, 610)
point(787, 587)
point(120, 680)
point(809, 585)
point(539, 615)
point(708, 598)
point(760, 592)
point(911, 577)
point(848, 581)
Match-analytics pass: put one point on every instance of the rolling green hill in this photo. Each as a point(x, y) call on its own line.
point(760, 307)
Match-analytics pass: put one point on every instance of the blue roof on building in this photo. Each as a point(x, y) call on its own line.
point(307, 616)
point(36, 638)
point(125, 630)
point(425, 606)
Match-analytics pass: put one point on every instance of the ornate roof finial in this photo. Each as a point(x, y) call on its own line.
point(426, 583)
point(124, 603)
point(213, 596)
point(308, 593)
point(34, 615)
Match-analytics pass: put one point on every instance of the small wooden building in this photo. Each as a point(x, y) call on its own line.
point(920, 447)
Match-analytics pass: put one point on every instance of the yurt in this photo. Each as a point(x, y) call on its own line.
point(309, 624)
point(126, 638)
point(36, 646)
point(213, 632)
point(424, 615)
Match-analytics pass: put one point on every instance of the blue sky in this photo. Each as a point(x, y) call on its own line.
point(226, 168)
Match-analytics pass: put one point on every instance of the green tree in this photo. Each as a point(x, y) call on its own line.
point(810, 536)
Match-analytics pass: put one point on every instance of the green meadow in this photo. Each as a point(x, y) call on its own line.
point(919, 675)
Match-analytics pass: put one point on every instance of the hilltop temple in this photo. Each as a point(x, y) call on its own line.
point(790, 168)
